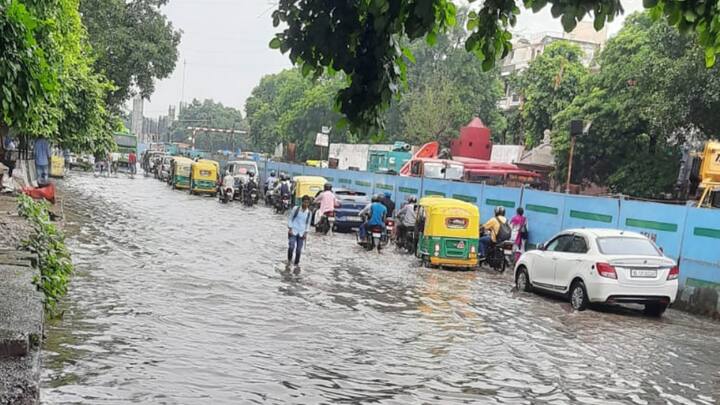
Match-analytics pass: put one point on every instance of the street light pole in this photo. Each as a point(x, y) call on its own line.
point(570, 163)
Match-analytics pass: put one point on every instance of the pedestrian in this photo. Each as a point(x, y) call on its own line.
point(298, 225)
point(42, 160)
point(132, 162)
point(519, 227)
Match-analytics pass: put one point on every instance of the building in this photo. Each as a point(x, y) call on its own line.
point(525, 50)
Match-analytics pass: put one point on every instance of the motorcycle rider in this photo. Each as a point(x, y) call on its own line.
point(389, 204)
point(376, 213)
point(327, 200)
point(250, 184)
point(228, 182)
point(283, 188)
point(270, 182)
point(406, 217)
point(491, 227)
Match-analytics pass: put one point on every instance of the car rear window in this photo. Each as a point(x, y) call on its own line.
point(350, 192)
point(627, 246)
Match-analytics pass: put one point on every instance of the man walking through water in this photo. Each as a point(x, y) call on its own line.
point(298, 224)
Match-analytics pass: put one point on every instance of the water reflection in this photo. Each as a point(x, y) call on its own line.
point(179, 299)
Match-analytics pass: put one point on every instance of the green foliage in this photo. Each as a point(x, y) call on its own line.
point(49, 244)
point(548, 86)
point(210, 114)
point(289, 108)
point(49, 88)
point(363, 38)
point(134, 42)
point(447, 87)
point(651, 92)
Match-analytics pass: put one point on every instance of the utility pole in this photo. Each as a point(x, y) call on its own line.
point(182, 92)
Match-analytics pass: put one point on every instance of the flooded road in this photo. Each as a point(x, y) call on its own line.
point(182, 300)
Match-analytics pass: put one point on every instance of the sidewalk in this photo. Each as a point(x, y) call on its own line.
point(21, 311)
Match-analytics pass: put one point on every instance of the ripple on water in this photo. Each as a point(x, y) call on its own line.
point(179, 299)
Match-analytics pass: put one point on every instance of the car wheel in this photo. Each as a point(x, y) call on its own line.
point(655, 309)
point(578, 296)
point(522, 280)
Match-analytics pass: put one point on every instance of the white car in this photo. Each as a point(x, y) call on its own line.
point(603, 266)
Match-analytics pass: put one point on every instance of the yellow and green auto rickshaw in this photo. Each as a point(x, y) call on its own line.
point(448, 232)
point(203, 178)
point(307, 185)
point(180, 172)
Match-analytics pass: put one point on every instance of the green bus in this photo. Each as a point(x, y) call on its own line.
point(126, 143)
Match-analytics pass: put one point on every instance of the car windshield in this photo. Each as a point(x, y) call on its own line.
point(627, 246)
point(241, 168)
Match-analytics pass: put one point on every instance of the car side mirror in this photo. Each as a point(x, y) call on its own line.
point(541, 246)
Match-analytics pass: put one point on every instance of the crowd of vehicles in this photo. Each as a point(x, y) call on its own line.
point(586, 266)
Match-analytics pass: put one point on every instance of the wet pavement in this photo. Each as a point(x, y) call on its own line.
point(181, 300)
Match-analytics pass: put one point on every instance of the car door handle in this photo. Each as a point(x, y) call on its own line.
point(555, 258)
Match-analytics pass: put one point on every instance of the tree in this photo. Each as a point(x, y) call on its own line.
point(48, 85)
point(548, 86)
point(134, 43)
point(289, 108)
point(363, 38)
point(652, 91)
point(210, 114)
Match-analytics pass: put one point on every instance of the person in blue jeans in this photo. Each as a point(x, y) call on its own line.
point(42, 160)
point(298, 224)
point(376, 211)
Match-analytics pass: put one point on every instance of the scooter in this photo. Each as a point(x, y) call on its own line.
point(326, 222)
point(282, 204)
point(250, 196)
point(406, 241)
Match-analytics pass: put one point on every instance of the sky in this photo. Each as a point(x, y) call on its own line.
point(224, 49)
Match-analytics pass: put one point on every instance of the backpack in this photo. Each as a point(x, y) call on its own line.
point(524, 231)
point(504, 233)
point(284, 188)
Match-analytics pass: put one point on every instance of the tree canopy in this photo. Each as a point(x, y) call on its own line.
point(134, 43)
point(49, 87)
point(652, 92)
point(548, 86)
point(364, 39)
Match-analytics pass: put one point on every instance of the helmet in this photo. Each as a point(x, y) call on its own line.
point(272, 173)
point(499, 210)
point(327, 187)
point(388, 194)
point(412, 199)
point(251, 174)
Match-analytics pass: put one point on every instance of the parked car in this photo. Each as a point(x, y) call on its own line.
point(601, 266)
point(347, 217)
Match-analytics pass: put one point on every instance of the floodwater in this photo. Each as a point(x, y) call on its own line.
point(181, 300)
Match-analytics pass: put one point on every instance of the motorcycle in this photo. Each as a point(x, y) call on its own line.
point(326, 222)
point(226, 194)
point(282, 204)
point(250, 196)
point(498, 256)
point(407, 241)
point(374, 238)
point(390, 226)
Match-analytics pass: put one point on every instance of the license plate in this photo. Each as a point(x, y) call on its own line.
point(331, 219)
point(376, 235)
point(354, 219)
point(204, 173)
point(643, 273)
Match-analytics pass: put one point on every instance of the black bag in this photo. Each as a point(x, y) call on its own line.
point(524, 231)
point(504, 233)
